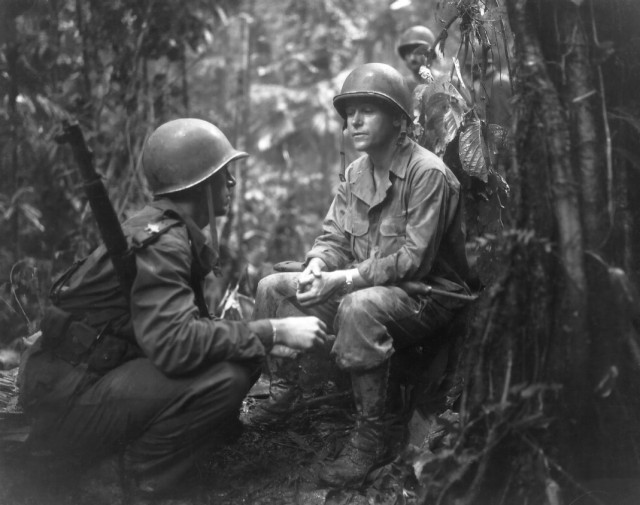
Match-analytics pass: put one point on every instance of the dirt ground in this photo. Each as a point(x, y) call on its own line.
point(264, 466)
point(275, 466)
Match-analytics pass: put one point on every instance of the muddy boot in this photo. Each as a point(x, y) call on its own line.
point(284, 394)
point(365, 448)
point(398, 410)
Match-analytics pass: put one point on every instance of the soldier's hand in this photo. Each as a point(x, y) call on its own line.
point(309, 275)
point(300, 333)
point(282, 351)
point(321, 289)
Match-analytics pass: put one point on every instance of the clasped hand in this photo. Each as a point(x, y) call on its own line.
point(316, 286)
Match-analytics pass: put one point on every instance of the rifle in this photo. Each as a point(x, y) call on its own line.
point(110, 230)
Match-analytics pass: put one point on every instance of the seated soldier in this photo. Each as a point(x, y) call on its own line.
point(396, 218)
point(147, 372)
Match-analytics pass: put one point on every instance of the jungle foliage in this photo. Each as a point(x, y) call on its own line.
point(551, 361)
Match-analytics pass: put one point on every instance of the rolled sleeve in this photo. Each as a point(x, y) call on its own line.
point(166, 321)
point(426, 221)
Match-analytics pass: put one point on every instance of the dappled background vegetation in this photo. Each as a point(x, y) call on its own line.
point(551, 358)
point(264, 72)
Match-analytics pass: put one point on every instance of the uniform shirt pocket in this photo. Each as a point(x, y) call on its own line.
point(358, 236)
point(393, 231)
point(355, 226)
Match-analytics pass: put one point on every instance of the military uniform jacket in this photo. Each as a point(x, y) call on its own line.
point(162, 317)
point(410, 228)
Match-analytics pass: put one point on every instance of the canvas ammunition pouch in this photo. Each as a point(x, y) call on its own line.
point(75, 342)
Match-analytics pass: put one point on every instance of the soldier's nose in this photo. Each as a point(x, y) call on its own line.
point(231, 180)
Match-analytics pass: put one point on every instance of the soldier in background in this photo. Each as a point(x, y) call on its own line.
point(414, 46)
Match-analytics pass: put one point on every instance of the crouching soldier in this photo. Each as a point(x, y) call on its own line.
point(146, 372)
point(396, 219)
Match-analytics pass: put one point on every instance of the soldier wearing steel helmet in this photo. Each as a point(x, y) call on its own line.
point(152, 376)
point(396, 219)
point(414, 46)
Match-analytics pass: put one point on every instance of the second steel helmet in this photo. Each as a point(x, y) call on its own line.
point(415, 36)
point(184, 152)
point(378, 81)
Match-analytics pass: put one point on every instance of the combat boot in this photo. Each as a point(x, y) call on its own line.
point(284, 394)
point(405, 370)
point(398, 411)
point(365, 448)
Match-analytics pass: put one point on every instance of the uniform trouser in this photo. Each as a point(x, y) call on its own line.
point(370, 324)
point(162, 424)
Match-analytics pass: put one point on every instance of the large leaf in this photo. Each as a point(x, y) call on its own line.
point(479, 147)
point(441, 117)
point(473, 151)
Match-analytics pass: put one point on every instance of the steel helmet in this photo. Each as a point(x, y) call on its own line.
point(184, 152)
point(375, 80)
point(415, 36)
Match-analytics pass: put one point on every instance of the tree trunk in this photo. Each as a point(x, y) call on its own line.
point(547, 123)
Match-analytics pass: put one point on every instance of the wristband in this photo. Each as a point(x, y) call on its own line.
point(274, 334)
point(348, 282)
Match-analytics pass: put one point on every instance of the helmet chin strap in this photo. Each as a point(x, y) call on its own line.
point(403, 131)
point(213, 230)
point(343, 161)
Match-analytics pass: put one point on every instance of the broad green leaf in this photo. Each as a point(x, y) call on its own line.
point(442, 116)
point(473, 151)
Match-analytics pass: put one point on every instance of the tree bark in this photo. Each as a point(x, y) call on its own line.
point(581, 93)
point(570, 343)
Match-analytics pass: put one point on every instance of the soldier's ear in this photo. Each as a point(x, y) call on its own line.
point(397, 121)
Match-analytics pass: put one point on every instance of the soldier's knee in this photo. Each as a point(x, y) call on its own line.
point(265, 285)
point(273, 284)
point(365, 303)
point(235, 381)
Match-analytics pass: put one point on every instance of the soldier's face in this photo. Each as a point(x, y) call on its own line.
point(371, 126)
point(222, 183)
point(417, 57)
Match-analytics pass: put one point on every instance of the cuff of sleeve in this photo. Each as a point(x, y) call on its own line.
point(364, 269)
point(317, 254)
point(263, 329)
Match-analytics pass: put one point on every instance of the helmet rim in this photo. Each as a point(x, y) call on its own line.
point(377, 81)
point(415, 36)
point(207, 174)
point(184, 152)
point(340, 101)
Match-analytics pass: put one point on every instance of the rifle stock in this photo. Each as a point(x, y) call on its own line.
point(103, 211)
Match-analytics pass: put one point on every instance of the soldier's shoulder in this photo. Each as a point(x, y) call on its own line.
point(148, 227)
point(427, 160)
